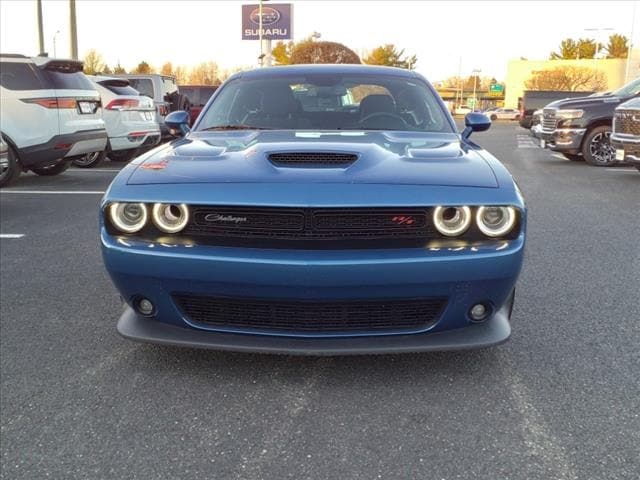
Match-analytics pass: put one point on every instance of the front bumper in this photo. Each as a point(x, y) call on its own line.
point(567, 140)
point(464, 275)
point(627, 148)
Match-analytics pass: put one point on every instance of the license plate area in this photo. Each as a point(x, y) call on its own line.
point(619, 155)
point(87, 108)
point(543, 143)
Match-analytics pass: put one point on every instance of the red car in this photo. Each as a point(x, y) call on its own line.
point(198, 96)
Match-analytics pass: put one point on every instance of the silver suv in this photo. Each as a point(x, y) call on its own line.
point(163, 89)
point(49, 113)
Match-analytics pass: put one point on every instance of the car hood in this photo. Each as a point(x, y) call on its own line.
point(382, 158)
point(585, 102)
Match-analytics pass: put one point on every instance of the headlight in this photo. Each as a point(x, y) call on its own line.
point(128, 217)
point(452, 221)
point(495, 221)
point(569, 114)
point(170, 217)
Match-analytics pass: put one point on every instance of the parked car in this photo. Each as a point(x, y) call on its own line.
point(4, 157)
point(625, 137)
point(273, 228)
point(504, 114)
point(580, 128)
point(533, 100)
point(130, 120)
point(198, 96)
point(536, 123)
point(49, 114)
point(462, 110)
point(163, 89)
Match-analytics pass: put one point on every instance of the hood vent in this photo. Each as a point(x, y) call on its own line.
point(312, 159)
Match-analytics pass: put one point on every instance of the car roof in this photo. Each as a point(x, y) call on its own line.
point(291, 70)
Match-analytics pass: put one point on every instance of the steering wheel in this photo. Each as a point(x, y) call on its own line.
point(400, 122)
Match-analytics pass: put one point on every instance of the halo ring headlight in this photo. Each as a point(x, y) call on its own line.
point(452, 221)
point(170, 217)
point(496, 221)
point(128, 217)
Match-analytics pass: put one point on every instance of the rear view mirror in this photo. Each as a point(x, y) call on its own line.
point(178, 123)
point(475, 122)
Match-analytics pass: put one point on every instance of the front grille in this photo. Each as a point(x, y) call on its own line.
point(312, 159)
point(549, 119)
point(291, 224)
point(627, 122)
point(324, 317)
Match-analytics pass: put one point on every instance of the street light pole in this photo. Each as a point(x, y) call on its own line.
point(475, 73)
point(633, 22)
point(40, 30)
point(595, 58)
point(261, 57)
point(55, 55)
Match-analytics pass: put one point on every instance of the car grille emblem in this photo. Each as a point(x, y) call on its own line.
point(217, 217)
point(403, 220)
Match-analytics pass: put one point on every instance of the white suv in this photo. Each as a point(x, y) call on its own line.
point(49, 113)
point(130, 119)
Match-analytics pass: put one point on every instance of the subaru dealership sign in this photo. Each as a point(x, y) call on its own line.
point(276, 21)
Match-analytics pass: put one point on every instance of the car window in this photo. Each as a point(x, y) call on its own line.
point(142, 85)
point(20, 76)
point(327, 101)
point(169, 88)
point(67, 81)
point(119, 90)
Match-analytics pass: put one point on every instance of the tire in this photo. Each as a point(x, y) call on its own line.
point(52, 170)
point(11, 171)
point(574, 157)
point(89, 160)
point(122, 155)
point(494, 117)
point(596, 147)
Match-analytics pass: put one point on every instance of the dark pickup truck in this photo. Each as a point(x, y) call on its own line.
point(580, 128)
point(533, 100)
point(626, 132)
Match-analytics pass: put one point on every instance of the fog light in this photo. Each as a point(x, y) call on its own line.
point(478, 312)
point(145, 307)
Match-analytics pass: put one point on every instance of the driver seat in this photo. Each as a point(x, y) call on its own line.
point(377, 103)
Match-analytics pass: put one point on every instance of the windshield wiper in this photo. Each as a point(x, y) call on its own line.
point(235, 127)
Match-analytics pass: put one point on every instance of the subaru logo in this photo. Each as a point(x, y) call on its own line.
point(269, 16)
point(220, 218)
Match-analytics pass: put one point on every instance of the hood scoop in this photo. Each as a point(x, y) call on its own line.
point(312, 159)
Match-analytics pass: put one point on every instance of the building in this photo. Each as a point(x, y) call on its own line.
point(519, 71)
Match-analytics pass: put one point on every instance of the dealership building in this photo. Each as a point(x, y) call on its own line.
point(614, 70)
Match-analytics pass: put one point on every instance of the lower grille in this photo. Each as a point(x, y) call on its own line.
point(549, 119)
point(311, 317)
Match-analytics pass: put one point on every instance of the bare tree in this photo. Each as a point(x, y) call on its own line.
point(93, 62)
point(568, 78)
point(206, 73)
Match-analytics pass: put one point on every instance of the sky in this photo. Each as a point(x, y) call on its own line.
point(447, 37)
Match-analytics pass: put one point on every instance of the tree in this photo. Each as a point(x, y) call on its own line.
point(281, 53)
point(618, 46)
point(569, 78)
point(388, 55)
point(106, 70)
point(182, 75)
point(571, 49)
point(167, 69)
point(309, 51)
point(206, 73)
point(118, 69)
point(143, 67)
point(93, 62)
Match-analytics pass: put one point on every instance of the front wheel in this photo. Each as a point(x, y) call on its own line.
point(597, 149)
point(9, 168)
point(494, 117)
point(122, 155)
point(52, 170)
point(89, 160)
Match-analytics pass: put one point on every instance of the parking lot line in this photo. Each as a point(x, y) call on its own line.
point(621, 169)
point(56, 192)
point(11, 235)
point(90, 170)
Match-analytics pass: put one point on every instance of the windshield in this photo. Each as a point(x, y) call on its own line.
point(327, 101)
point(628, 90)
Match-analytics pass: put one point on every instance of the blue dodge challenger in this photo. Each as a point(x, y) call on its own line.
point(317, 209)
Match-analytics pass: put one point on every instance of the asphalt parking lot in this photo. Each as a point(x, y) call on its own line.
point(560, 400)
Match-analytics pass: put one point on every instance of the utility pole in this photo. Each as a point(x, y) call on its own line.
point(40, 30)
point(73, 31)
point(633, 22)
point(261, 57)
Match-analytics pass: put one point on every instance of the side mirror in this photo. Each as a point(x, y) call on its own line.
point(475, 122)
point(177, 123)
